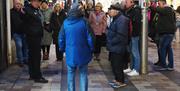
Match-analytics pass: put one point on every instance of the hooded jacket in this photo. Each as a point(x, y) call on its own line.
point(75, 39)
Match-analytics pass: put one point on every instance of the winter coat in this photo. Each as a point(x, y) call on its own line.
point(117, 35)
point(76, 41)
point(98, 22)
point(47, 35)
point(33, 23)
point(17, 24)
point(166, 20)
point(56, 22)
point(135, 16)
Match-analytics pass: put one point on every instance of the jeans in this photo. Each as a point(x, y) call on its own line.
point(166, 49)
point(21, 47)
point(83, 70)
point(135, 53)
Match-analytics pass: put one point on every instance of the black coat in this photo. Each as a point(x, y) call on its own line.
point(56, 22)
point(33, 22)
point(166, 21)
point(16, 21)
point(135, 16)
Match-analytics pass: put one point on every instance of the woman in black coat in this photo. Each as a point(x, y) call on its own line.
point(57, 18)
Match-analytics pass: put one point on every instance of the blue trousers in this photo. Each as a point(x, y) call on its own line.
point(83, 73)
point(21, 47)
point(165, 47)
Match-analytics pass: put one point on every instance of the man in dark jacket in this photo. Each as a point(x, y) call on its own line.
point(117, 42)
point(165, 28)
point(18, 33)
point(134, 13)
point(34, 33)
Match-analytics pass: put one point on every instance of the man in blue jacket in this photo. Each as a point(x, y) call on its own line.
point(117, 42)
point(76, 40)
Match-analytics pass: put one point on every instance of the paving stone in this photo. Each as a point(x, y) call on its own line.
point(16, 79)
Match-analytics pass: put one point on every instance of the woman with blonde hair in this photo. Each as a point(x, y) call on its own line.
point(97, 20)
point(57, 18)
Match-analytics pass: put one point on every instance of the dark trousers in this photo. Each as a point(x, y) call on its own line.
point(98, 44)
point(46, 49)
point(34, 45)
point(59, 54)
point(117, 63)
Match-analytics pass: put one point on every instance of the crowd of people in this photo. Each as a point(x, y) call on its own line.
point(81, 32)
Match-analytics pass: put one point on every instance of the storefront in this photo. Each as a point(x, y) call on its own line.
point(3, 42)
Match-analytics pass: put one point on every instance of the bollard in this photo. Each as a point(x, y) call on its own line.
point(144, 41)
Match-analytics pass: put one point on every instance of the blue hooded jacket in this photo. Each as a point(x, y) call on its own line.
point(75, 39)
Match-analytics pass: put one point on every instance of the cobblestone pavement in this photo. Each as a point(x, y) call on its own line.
point(16, 78)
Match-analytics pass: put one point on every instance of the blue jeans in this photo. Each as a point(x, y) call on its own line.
point(165, 47)
point(135, 53)
point(21, 47)
point(83, 70)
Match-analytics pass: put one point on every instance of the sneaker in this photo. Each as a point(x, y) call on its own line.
point(127, 70)
point(112, 82)
point(118, 85)
point(133, 73)
point(162, 69)
point(170, 69)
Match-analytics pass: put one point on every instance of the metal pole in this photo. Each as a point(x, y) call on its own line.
point(9, 52)
point(144, 43)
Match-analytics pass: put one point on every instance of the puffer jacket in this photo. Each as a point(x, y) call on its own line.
point(117, 36)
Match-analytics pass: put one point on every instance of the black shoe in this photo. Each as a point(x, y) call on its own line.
point(59, 60)
point(30, 78)
point(41, 80)
point(97, 59)
point(158, 63)
point(26, 63)
point(20, 64)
